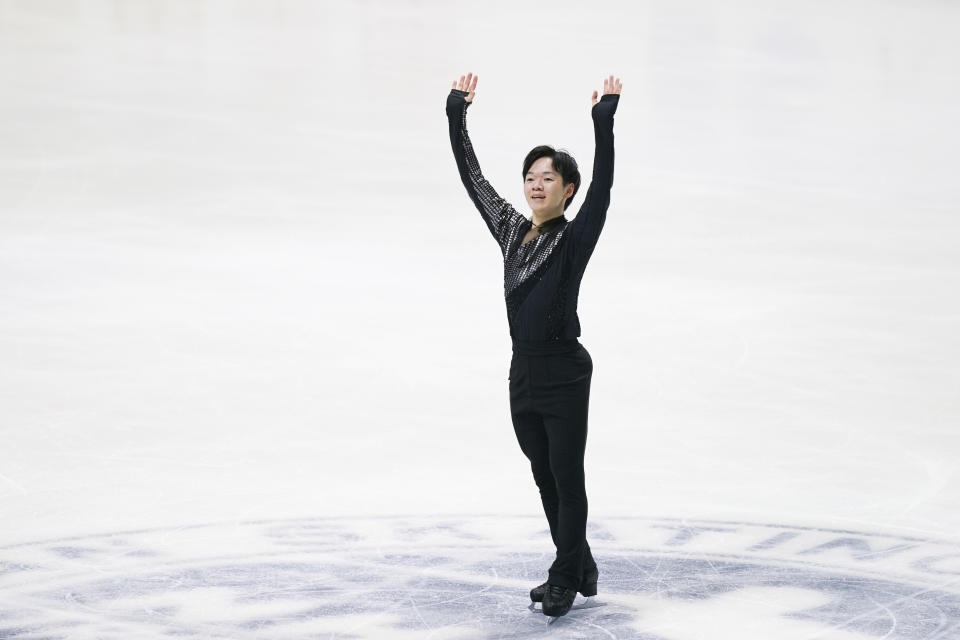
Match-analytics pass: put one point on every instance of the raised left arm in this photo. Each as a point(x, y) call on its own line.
point(584, 230)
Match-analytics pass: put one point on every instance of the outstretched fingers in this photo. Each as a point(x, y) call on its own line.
point(467, 83)
point(611, 86)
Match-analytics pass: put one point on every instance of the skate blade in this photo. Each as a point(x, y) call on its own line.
point(586, 603)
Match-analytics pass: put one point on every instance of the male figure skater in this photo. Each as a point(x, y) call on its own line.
point(550, 371)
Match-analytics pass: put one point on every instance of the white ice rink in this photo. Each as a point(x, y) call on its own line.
point(254, 349)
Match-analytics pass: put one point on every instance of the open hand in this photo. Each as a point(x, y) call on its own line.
point(609, 86)
point(470, 84)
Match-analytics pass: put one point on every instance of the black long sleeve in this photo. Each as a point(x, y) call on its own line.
point(541, 277)
point(499, 215)
point(585, 228)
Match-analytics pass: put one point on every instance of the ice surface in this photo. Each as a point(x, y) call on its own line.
point(243, 292)
point(468, 577)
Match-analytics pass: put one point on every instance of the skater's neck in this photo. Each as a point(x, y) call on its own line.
point(542, 218)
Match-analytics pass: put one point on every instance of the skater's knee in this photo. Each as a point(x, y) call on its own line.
point(544, 478)
point(571, 487)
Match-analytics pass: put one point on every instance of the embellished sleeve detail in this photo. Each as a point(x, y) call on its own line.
point(498, 214)
point(584, 230)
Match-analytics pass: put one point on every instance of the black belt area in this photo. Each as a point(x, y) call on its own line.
point(544, 347)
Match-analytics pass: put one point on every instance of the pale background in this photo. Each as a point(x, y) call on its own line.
point(241, 279)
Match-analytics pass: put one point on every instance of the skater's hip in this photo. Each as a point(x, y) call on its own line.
point(544, 347)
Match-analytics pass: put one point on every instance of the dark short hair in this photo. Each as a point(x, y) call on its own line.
point(563, 163)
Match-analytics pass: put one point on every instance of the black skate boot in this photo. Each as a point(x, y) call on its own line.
point(588, 586)
point(557, 600)
point(588, 583)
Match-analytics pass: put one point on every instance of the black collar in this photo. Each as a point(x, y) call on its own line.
point(549, 224)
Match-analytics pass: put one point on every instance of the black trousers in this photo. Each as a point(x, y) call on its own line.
point(549, 398)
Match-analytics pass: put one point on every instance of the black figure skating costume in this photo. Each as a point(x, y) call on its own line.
point(550, 370)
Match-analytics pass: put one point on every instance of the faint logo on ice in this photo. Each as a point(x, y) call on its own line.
point(468, 577)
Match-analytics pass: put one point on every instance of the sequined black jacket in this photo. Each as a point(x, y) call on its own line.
point(541, 279)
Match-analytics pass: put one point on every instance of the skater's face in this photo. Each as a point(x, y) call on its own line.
point(544, 187)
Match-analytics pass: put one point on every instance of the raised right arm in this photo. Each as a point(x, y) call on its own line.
point(498, 214)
